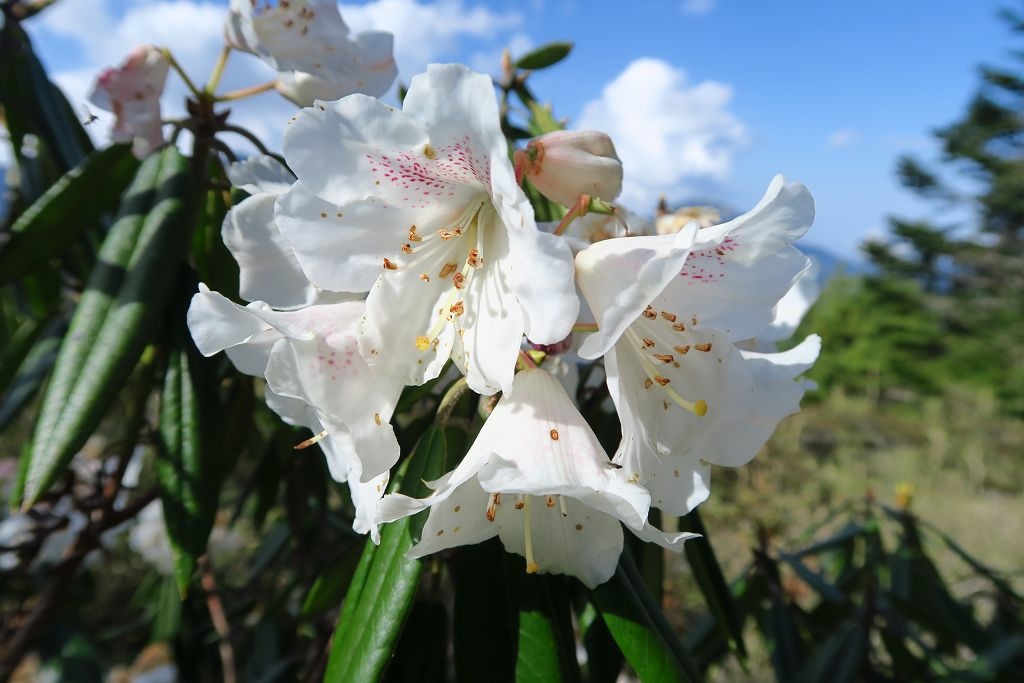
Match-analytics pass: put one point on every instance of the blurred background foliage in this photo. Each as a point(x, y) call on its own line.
point(876, 537)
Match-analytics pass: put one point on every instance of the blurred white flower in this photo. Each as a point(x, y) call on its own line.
point(671, 223)
point(132, 92)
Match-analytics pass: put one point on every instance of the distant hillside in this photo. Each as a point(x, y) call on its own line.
point(831, 264)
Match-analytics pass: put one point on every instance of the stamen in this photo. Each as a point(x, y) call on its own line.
point(424, 277)
point(648, 342)
point(702, 347)
point(531, 566)
point(520, 502)
point(311, 440)
point(492, 506)
point(406, 248)
point(665, 357)
point(457, 309)
point(550, 501)
point(474, 259)
point(413, 237)
point(649, 313)
point(671, 317)
point(684, 349)
point(459, 281)
point(447, 270)
point(561, 504)
point(679, 327)
point(389, 264)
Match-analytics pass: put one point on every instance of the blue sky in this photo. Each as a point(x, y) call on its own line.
point(706, 99)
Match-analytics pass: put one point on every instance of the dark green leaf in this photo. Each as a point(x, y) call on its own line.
point(385, 582)
point(330, 585)
point(116, 315)
point(639, 627)
point(544, 56)
point(422, 652)
point(712, 584)
point(547, 646)
point(814, 579)
point(483, 605)
point(32, 372)
point(70, 208)
point(840, 659)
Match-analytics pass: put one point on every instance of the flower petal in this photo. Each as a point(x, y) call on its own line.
point(620, 277)
point(259, 174)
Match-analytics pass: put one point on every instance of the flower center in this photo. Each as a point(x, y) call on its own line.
point(659, 360)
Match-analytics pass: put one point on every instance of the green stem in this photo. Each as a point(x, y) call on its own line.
point(218, 70)
point(246, 92)
point(181, 72)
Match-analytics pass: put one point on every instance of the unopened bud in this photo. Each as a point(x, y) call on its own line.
point(132, 92)
point(565, 164)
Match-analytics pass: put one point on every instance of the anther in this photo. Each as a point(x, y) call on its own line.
point(550, 501)
point(447, 270)
point(682, 349)
point(648, 342)
point(424, 277)
point(662, 381)
point(458, 308)
point(679, 327)
point(702, 347)
point(520, 502)
point(671, 317)
point(422, 343)
point(648, 382)
point(406, 248)
point(649, 313)
point(554, 435)
point(389, 264)
point(474, 259)
point(413, 237)
point(459, 281)
point(311, 440)
point(376, 418)
point(665, 357)
point(492, 506)
point(429, 152)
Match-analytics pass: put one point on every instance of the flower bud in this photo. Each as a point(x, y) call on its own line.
point(563, 165)
point(132, 92)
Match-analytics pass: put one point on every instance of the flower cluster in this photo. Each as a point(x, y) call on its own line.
point(404, 240)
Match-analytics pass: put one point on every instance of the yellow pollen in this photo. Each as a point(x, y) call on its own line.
point(429, 152)
point(682, 349)
point(376, 418)
point(389, 264)
point(422, 343)
point(406, 248)
point(459, 281)
point(413, 237)
point(457, 308)
point(474, 259)
point(700, 408)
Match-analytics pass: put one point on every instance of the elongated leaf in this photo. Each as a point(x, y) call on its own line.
point(483, 605)
point(544, 56)
point(547, 646)
point(382, 590)
point(187, 453)
point(712, 584)
point(421, 655)
point(31, 373)
point(122, 302)
point(839, 659)
point(639, 627)
point(72, 206)
point(329, 587)
point(32, 104)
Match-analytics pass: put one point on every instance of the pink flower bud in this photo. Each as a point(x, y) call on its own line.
point(565, 164)
point(132, 92)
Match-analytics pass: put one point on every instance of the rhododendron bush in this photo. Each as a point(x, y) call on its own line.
point(413, 396)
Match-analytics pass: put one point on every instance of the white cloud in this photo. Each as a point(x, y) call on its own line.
point(426, 33)
point(844, 137)
point(673, 137)
point(698, 6)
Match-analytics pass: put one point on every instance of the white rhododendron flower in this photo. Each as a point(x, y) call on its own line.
point(670, 310)
point(315, 378)
point(566, 164)
point(790, 311)
point(421, 208)
point(132, 92)
point(536, 477)
point(268, 269)
point(309, 44)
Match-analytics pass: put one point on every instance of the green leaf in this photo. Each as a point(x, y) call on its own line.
point(712, 583)
point(544, 56)
point(547, 646)
point(186, 464)
point(32, 104)
point(639, 627)
point(115, 318)
point(382, 590)
point(330, 585)
point(422, 652)
point(604, 658)
point(483, 605)
point(32, 371)
point(68, 209)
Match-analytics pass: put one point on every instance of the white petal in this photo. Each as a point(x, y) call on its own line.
point(620, 277)
point(782, 216)
point(335, 148)
point(460, 520)
point(328, 372)
point(259, 174)
point(217, 323)
point(540, 272)
point(268, 269)
point(585, 543)
point(341, 248)
point(454, 102)
point(673, 542)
